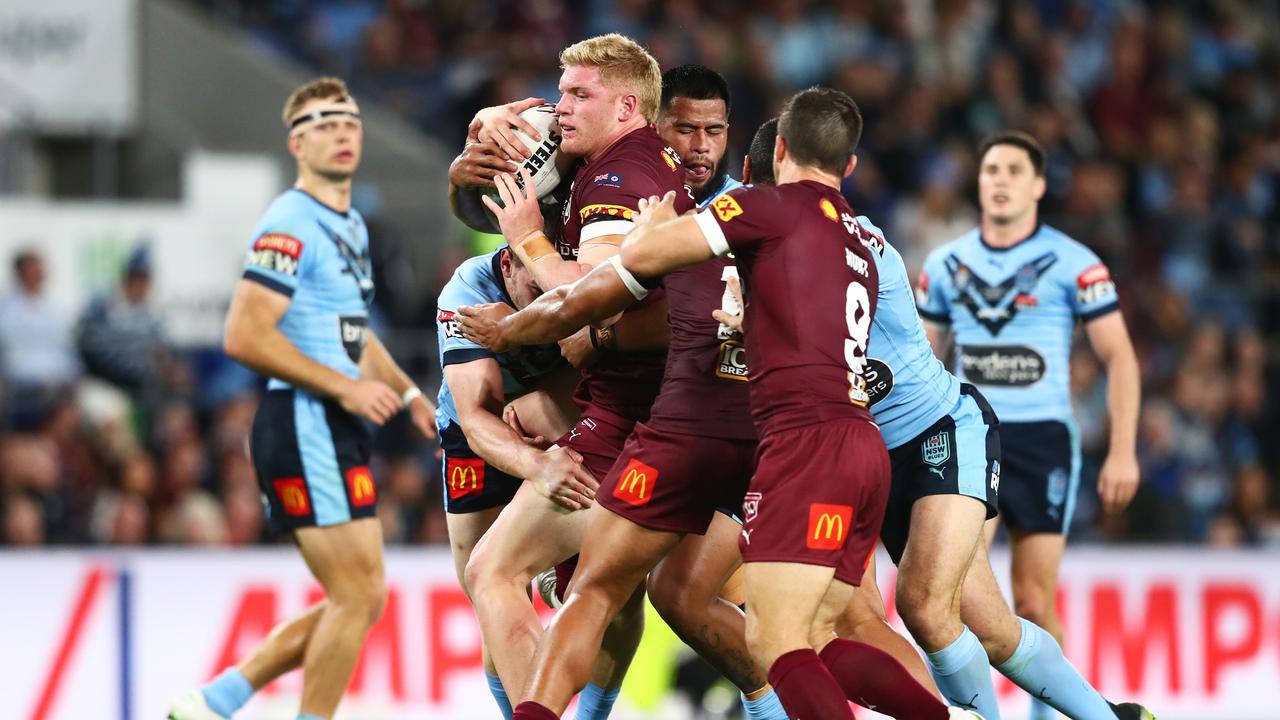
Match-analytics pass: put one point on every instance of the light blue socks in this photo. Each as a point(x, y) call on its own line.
point(499, 694)
point(1039, 667)
point(594, 702)
point(227, 693)
point(765, 707)
point(963, 674)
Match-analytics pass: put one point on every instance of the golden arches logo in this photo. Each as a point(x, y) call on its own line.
point(828, 525)
point(294, 498)
point(636, 485)
point(630, 480)
point(460, 475)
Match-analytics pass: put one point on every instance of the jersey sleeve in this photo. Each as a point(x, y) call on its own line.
point(934, 289)
point(741, 219)
point(1090, 289)
point(279, 256)
point(612, 197)
point(454, 348)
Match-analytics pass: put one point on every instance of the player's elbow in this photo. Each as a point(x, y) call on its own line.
point(237, 341)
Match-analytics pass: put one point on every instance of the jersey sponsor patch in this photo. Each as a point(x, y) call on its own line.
point(276, 252)
point(731, 361)
point(1002, 365)
point(449, 322)
point(354, 330)
point(1095, 284)
point(879, 377)
point(465, 477)
point(293, 496)
point(607, 179)
point(670, 157)
point(922, 289)
point(604, 212)
point(726, 208)
point(360, 488)
point(829, 209)
point(635, 484)
point(828, 526)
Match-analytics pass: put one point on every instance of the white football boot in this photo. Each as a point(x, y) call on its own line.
point(192, 707)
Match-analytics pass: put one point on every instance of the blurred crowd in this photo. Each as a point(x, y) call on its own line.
point(111, 435)
point(1162, 124)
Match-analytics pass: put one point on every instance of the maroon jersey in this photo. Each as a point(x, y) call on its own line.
point(811, 285)
point(704, 390)
point(606, 192)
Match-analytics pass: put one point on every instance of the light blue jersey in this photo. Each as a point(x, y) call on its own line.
point(727, 185)
point(478, 281)
point(1013, 311)
point(909, 387)
point(319, 257)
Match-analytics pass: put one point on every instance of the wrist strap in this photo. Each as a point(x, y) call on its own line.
point(410, 395)
point(602, 338)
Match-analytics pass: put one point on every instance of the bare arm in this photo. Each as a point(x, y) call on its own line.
point(556, 314)
point(653, 250)
point(478, 397)
point(253, 339)
point(377, 364)
point(1118, 479)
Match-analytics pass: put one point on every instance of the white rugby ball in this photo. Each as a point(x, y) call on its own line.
point(542, 163)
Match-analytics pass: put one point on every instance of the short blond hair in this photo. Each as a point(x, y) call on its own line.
point(623, 64)
point(322, 88)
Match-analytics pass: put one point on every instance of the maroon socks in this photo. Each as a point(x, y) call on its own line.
point(875, 679)
point(806, 688)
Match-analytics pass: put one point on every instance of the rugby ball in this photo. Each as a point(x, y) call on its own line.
point(542, 163)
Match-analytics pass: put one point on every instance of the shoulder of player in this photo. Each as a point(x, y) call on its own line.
point(1063, 240)
point(291, 214)
point(473, 282)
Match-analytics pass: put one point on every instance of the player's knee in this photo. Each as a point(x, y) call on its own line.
point(926, 608)
point(668, 593)
point(481, 570)
point(1033, 604)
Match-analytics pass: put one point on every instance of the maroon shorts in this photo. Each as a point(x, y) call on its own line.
point(818, 497)
point(599, 439)
point(674, 482)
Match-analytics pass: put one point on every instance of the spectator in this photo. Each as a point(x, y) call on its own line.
point(37, 358)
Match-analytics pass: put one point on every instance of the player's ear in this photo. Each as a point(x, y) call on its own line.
point(853, 162)
point(505, 264)
point(746, 169)
point(1040, 187)
point(779, 152)
point(295, 144)
point(628, 106)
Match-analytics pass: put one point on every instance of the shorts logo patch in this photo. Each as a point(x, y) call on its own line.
point(828, 526)
point(292, 493)
point(635, 485)
point(937, 449)
point(465, 477)
point(360, 487)
point(1057, 490)
point(751, 506)
point(995, 476)
point(726, 208)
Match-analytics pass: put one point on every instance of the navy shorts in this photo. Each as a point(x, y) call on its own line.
point(470, 483)
point(312, 461)
point(957, 455)
point(1041, 473)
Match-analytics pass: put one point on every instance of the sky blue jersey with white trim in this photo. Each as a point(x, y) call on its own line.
point(1013, 311)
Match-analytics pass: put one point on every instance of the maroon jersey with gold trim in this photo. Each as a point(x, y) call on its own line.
point(811, 287)
point(704, 390)
point(606, 192)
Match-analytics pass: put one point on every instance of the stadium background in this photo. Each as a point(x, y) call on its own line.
point(140, 140)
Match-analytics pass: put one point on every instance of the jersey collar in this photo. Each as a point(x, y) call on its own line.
point(1034, 232)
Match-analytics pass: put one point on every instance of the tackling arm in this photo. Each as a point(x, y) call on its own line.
point(653, 250)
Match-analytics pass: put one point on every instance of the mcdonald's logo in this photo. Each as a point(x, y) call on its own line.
point(292, 493)
point(635, 484)
point(828, 526)
point(360, 487)
point(465, 477)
